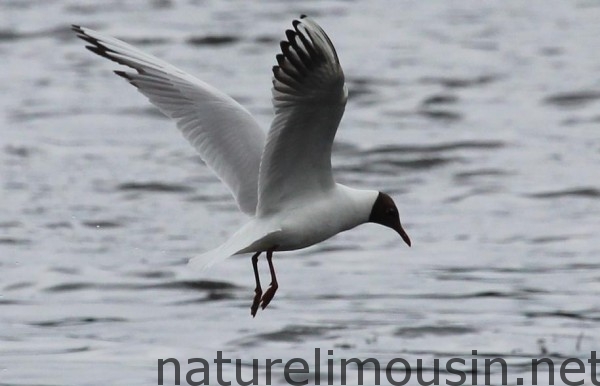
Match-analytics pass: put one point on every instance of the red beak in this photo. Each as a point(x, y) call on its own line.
point(403, 234)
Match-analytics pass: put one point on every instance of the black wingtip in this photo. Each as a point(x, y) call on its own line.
point(290, 35)
point(77, 29)
point(122, 74)
point(303, 16)
point(284, 45)
point(280, 59)
point(98, 50)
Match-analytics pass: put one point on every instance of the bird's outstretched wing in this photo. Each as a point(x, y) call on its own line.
point(227, 137)
point(309, 97)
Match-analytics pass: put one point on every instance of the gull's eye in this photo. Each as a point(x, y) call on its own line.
point(391, 211)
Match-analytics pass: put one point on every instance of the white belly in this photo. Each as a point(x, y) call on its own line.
point(310, 222)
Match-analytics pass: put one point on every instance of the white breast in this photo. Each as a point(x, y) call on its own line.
point(308, 222)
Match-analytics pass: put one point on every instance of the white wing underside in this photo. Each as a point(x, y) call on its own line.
point(227, 137)
point(309, 97)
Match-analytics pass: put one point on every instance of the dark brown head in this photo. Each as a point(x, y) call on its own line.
point(384, 212)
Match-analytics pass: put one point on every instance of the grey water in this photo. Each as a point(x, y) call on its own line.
point(481, 119)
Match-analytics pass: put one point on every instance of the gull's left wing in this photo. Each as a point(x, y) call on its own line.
point(309, 97)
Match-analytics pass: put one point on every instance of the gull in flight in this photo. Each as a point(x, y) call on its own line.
point(281, 179)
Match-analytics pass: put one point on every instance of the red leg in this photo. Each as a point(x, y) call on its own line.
point(268, 296)
point(258, 289)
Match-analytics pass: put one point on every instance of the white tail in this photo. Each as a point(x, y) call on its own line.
point(210, 258)
point(247, 239)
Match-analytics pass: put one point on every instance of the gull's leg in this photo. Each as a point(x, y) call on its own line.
point(258, 289)
point(268, 296)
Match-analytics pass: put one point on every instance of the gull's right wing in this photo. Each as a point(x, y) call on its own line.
point(227, 137)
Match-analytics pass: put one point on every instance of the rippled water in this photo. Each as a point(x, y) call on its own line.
point(481, 118)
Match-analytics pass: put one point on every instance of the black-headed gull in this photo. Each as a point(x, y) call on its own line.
point(283, 180)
